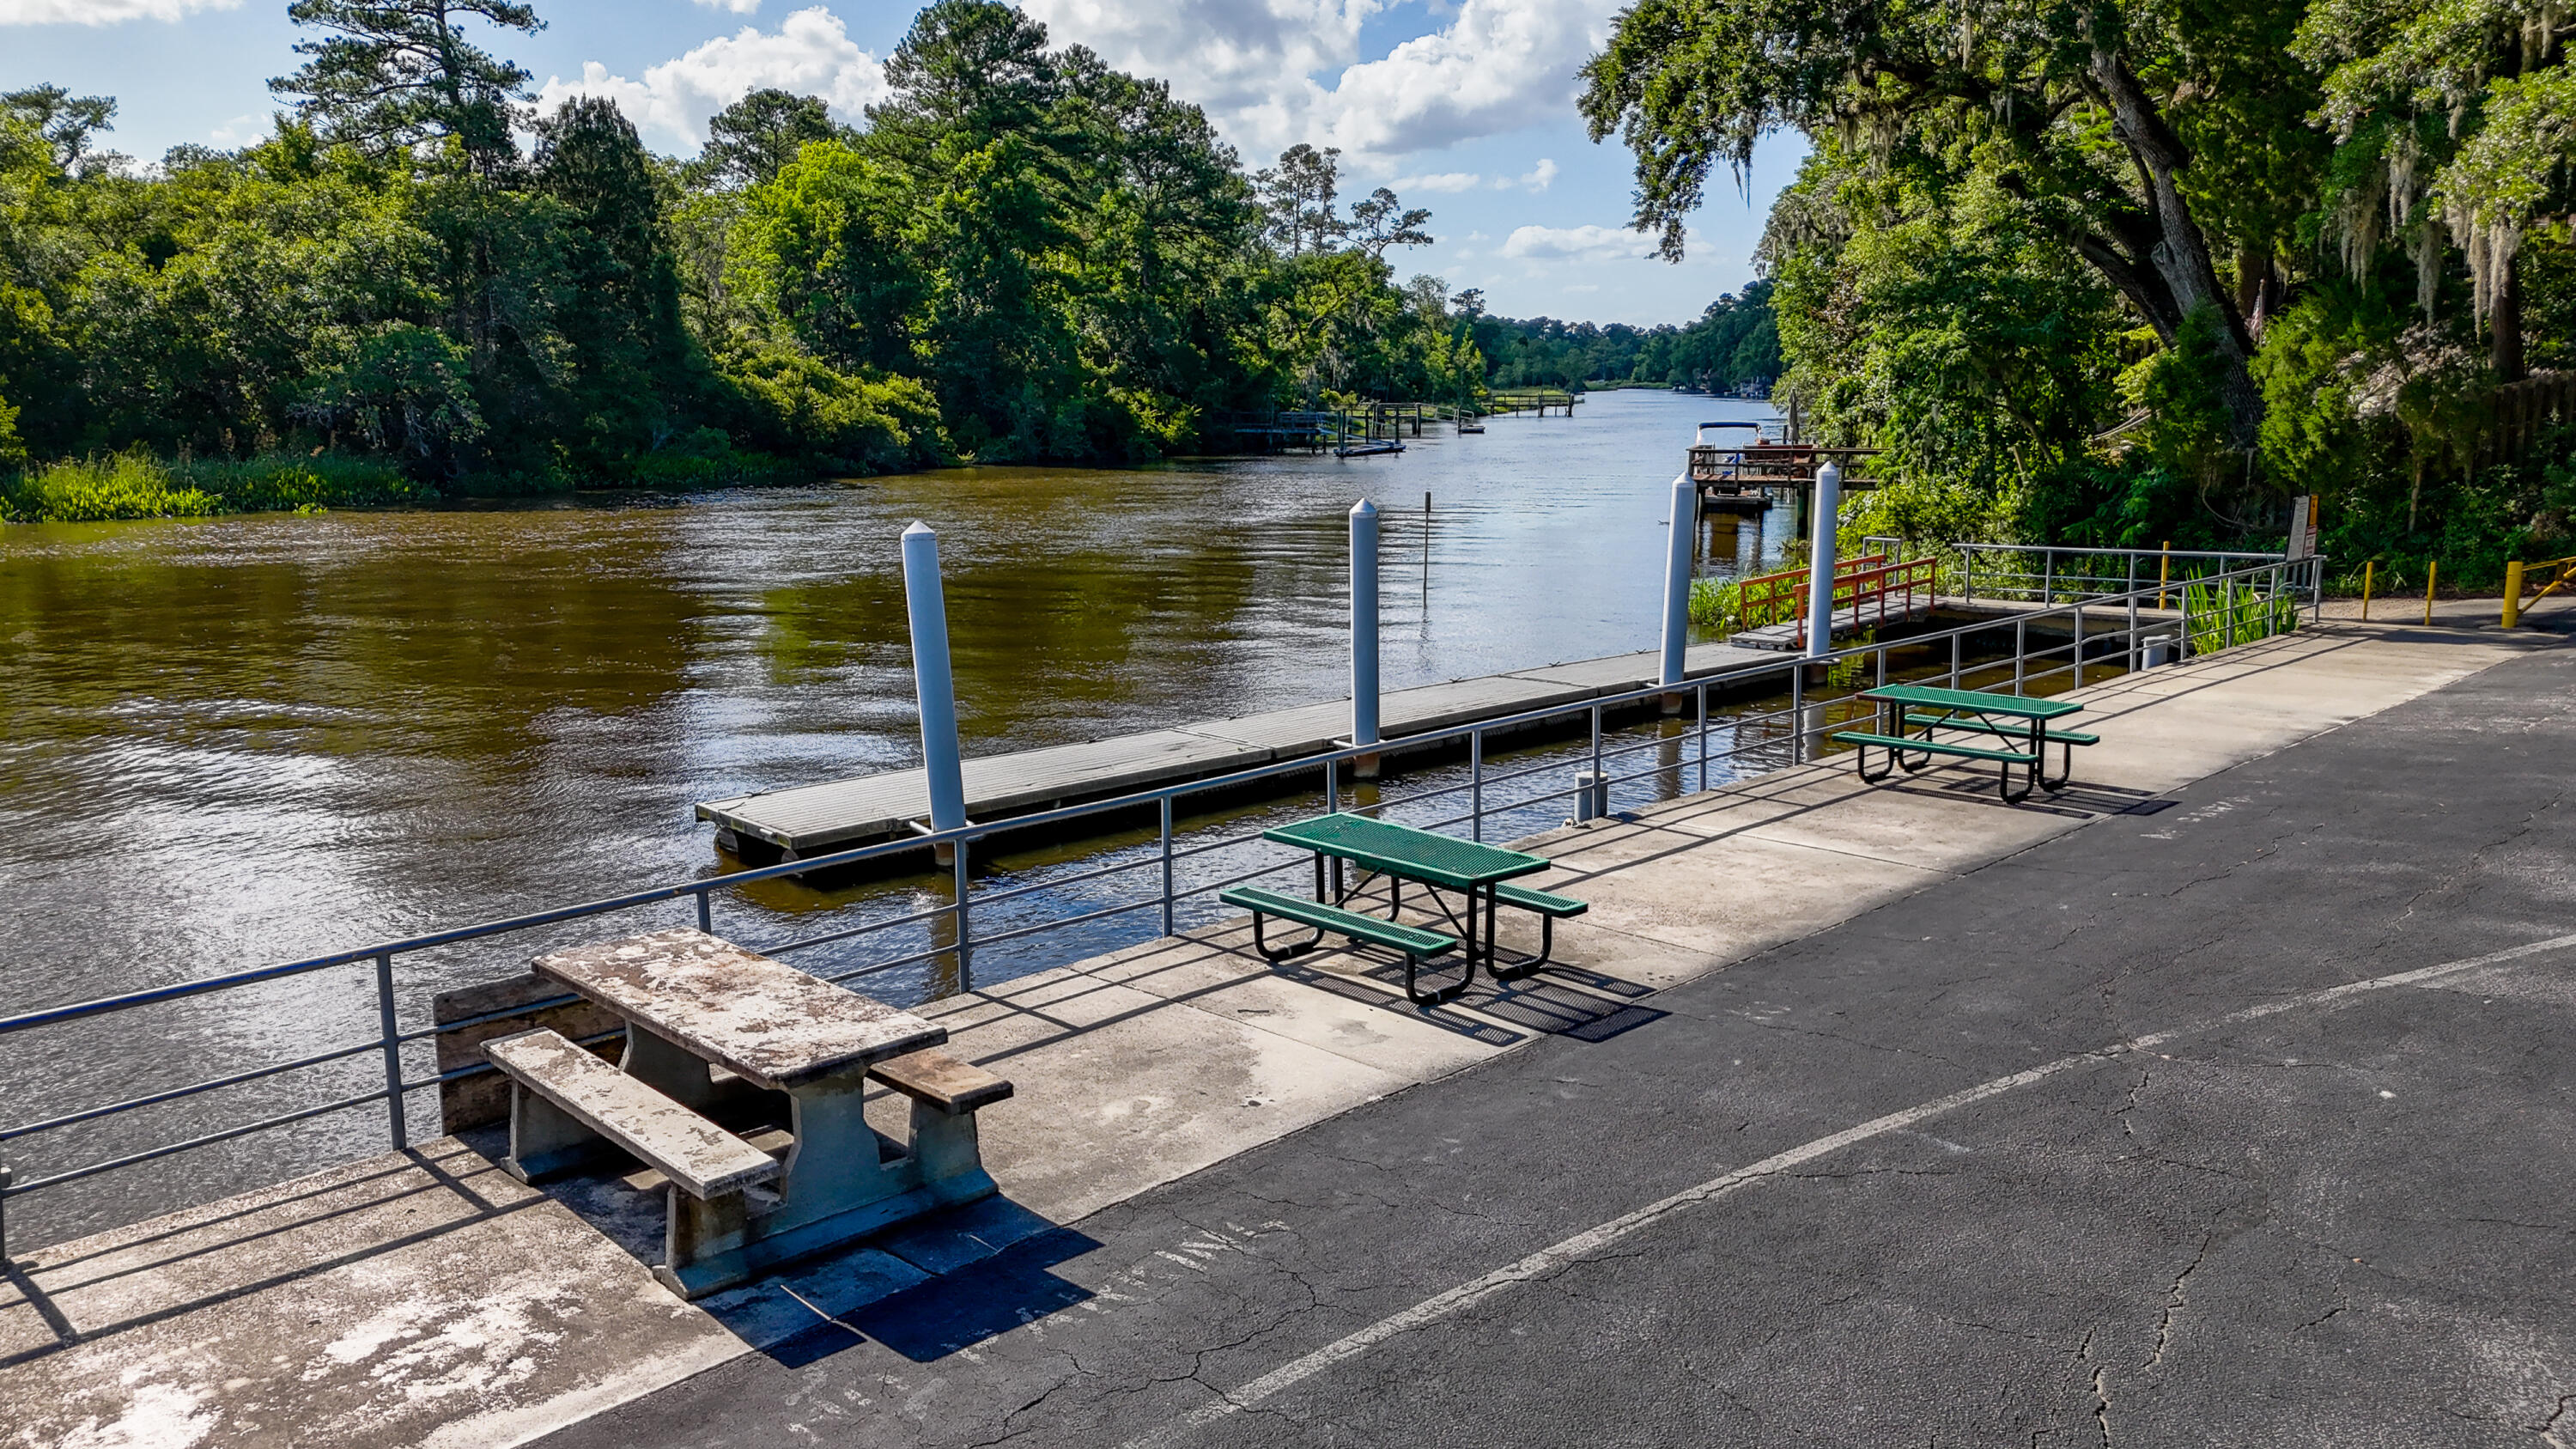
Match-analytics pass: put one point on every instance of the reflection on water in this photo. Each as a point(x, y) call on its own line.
point(245, 740)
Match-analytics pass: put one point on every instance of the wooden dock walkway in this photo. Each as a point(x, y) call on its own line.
point(810, 819)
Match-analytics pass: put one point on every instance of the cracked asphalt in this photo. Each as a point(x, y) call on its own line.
point(2350, 1222)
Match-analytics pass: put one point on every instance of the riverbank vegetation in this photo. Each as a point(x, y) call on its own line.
point(137, 485)
point(2125, 273)
point(1019, 255)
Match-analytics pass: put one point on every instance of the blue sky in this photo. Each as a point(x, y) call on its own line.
point(1464, 106)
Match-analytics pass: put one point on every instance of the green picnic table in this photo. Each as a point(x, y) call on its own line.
point(1400, 853)
point(2019, 725)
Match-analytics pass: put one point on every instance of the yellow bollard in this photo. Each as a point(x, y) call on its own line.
point(2164, 571)
point(2366, 570)
point(2432, 571)
point(2512, 592)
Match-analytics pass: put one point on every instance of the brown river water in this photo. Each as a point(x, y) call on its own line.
point(247, 740)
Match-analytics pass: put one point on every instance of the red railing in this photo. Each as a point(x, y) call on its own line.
point(1863, 590)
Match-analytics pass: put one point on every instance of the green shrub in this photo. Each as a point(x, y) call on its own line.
point(2258, 615)
point(285, 483)
point(137, 485)
point(86, 490)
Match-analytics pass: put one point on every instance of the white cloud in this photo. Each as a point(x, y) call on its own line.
point(1250, 62)
point(102, 12)
point(239, 131)
point(810, 54)
point(1575, 243)
point(1500, 65)
point(1276, 72)
point(1537, 178)
point(1444, 181)
point(738, 7)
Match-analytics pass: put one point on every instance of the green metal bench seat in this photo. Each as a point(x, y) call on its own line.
point(1550, 907)
point(1899, 746)
point(1934, 747)
point(1417, 944)
point(1971, 722)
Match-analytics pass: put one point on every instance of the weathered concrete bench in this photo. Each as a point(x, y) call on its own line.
point(693, 1003)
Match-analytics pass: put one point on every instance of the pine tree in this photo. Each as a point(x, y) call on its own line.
point(395, 73)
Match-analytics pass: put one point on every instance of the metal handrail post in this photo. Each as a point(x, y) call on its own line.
point(2079, 647)
point(392, 1039)
point(1967, 574)
point(2047, 577)
point(1797, 714)
point(1954, 659)
point(1167, 866)
point(1476, 785)
point(2133, 617)
point(1703, 737)
point(706, 912)
point(2021, 651)
point(1596, 761)
point(2230, 641)
point(965, 931)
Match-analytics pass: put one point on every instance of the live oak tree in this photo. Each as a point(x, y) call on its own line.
point(2457, 117)
point(2100, 114)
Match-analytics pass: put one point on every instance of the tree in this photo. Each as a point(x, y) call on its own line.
point(2087, 110)
point(396, 73)
point(1299, 193)
point(67, 122)
point(1381, 222)
point(971, 70)
point(632, 363)
point(2457, 115)
point(753, 139)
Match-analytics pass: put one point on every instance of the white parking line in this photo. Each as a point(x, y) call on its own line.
point(1575, 1249)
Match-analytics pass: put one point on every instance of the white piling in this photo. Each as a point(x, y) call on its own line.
point(932, 686)
point(1677, 577)
point(1820, 561)
point(1364, 692)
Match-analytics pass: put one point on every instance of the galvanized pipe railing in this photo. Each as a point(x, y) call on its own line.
point(1803, 739)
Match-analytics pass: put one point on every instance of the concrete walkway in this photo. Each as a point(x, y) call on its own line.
point(427, 1298)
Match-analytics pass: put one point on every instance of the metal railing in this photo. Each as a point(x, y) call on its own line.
point(2038, 573)
point(1801, 734)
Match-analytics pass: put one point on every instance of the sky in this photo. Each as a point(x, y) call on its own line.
point(1462, 106)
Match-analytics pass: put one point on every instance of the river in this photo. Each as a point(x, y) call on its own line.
point(250, 739)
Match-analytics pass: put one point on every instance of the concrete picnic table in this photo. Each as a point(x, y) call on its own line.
point(690, 1000)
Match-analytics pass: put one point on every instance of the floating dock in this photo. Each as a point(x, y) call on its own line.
point(812, 819)
point(1792, 634)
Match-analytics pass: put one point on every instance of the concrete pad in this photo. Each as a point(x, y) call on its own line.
point(1120, 1090)
point(1724, 899)
point(427, 1298)
point(367, 1306)
point(1217, 972)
